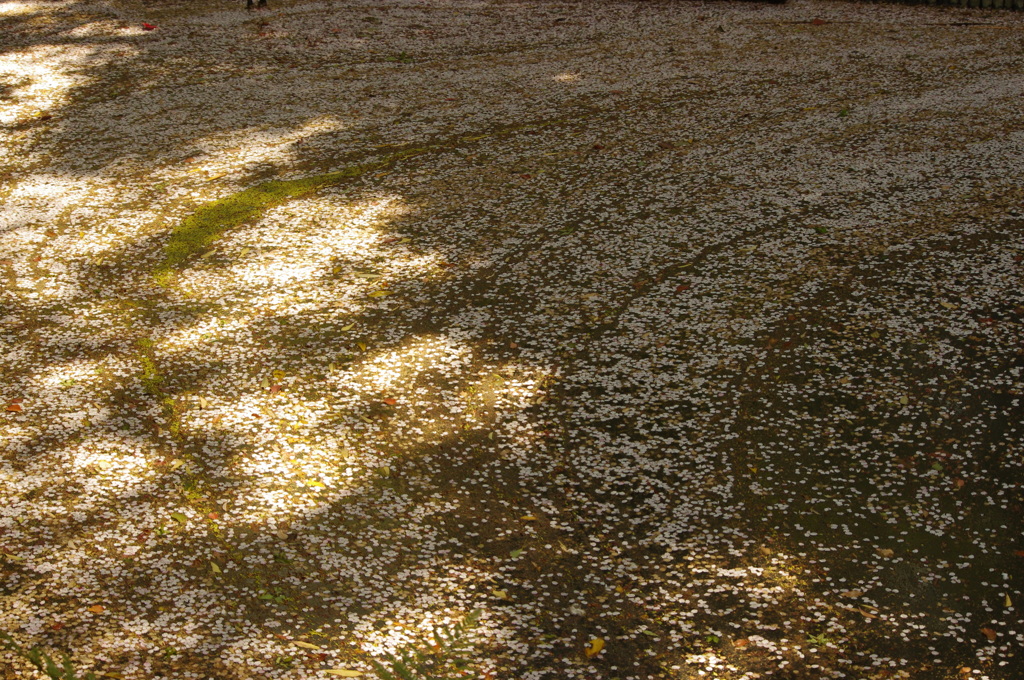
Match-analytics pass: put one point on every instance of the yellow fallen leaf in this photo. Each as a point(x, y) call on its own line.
point(348, 328)
point(529, 518)
point(1007, 602)
point(852, 593)
point(313, 482)
point(214, 568)
point(305, 645)
point(344, 672)
point(948, 305)
point(362, 345)
point(596, 645)
point(97, 609)
point(380, 293)
point(885, 552)
point(500, 594)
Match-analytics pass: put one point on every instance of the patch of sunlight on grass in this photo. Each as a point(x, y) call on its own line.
point(198, 232)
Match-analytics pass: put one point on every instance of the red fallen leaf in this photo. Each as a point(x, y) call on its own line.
point(616, 91)
point(97, 609)
point(818, 22)
point(526, 176)
point(274, 389)
point(14, 408)
point(682, 286)
point(513, 345)
point(990, 634)
point(959, 483)
point(148, 27)
point(51, 233)
point(213, 515)
point(16, 400)
point(1019, 553)
point(741, 643)
point(598, 147)
point(390, 402)
point(56, 625)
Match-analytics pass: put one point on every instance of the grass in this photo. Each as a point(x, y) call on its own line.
point(65, 670)
point(198, 232)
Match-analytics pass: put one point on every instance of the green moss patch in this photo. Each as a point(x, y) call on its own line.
point(198, 232)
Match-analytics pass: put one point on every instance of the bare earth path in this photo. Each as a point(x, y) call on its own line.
point(679, 339)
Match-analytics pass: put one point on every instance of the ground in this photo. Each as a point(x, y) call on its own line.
point(673, 339)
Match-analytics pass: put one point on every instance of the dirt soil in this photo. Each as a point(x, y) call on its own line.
point(669, 339)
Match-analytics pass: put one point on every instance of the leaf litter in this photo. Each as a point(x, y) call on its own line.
point(733, 392)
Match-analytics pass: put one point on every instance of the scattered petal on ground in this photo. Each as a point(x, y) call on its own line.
point(678, 340)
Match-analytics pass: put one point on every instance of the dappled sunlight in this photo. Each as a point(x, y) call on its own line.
point(68, 378)
point(233, 152)
point(12, 8)
point(103, 29)
point(301, 443)
point(310, 248)
point(41, 76)
point(328, 325)
point(567, 77)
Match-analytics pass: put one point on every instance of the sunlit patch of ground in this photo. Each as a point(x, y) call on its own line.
point(674, 341)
